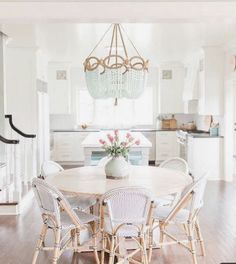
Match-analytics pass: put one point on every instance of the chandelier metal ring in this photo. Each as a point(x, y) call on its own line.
point(120, 75)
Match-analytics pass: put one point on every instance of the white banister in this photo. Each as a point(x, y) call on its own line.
point(20, 163)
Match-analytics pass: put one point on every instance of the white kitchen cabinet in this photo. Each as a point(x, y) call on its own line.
point(191, 84)
point(151, 136)
point(166, 145)
point(171, 88)
point(59, 87)
point(205, 155)
point(211, 77)
point(67, 147)
point(191, 107)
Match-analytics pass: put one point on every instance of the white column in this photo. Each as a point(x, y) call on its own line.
point(228, 129)
point(2, 91)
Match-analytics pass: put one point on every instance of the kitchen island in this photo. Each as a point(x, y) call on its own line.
point(93, 151)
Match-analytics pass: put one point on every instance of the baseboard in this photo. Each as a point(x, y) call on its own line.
point(71, 163)
point(216, 179)
point(16, 208)
point(9, 209)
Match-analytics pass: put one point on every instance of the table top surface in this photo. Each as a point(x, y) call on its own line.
point(91, 180)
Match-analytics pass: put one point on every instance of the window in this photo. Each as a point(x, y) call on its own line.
point(103, 112)
point(85, 107)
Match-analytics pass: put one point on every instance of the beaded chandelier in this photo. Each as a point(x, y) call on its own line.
point(116, 75)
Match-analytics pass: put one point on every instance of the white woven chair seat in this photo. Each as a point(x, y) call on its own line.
point(84, 219)
point(165, 200)
point(160, 213)
point(82, 203)
point(125, 231)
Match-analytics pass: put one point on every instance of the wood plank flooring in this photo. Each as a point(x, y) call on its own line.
point(18, 234)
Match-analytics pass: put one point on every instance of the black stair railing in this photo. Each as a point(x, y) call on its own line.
point(9, 117)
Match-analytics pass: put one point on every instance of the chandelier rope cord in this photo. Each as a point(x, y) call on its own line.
point(115, 35)
point(116, 75)
point(130, 40)
point(103, 36)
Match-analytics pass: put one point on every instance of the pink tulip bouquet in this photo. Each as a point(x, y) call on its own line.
point(115, 147)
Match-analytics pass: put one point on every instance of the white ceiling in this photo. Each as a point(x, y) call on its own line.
point(115, 11)
point(157, 42)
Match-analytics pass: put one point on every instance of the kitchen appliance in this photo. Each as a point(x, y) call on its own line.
point(182, 139)
point(190, 126)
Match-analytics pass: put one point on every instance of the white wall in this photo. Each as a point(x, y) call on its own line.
point(77, 81)
point(2, 82)
point(171, 90)
point(229, 89)
point(21, 87)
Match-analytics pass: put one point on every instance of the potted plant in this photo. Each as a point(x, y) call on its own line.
point(118, 149)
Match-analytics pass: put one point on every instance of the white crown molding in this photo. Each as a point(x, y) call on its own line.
point(95, 11)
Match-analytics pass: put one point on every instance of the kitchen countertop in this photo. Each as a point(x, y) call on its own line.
point(75, 130)
point(97, 130)
point(193, 134)
point(92, 140)
point(202, 135)
point(150, 130)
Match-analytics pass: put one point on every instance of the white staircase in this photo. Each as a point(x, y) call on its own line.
point(17, 169)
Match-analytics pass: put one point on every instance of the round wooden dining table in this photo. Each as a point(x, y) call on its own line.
point(91, 180)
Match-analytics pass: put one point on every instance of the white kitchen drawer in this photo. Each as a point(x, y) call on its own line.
point(163, 156)
point(67, 146)
point(166, 145)
point(64, 157)
point(151, 136)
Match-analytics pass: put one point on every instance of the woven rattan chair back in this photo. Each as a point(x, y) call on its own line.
point(51, 201)
point(128, 205)
point(198, 193)
point(50, 167)
point(176, 164)
point(191, 198)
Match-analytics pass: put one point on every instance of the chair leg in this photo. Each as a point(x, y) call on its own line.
point(56, 246)
point(200, 238)
point(185, 228)
point(95, 243)
point(192, 243)
point(112, 253)
point(162, 235)
point(150, 245)
point(103, 247)
point(144, 250)
point(40, 242)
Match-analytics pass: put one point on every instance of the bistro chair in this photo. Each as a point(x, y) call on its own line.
point(82, 203)
point(50, 167)
point(185, 214)
point(72, 228)
point(125, 213)
point(176, 164)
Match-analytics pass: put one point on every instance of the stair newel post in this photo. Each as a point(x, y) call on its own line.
point(34, 158)
point(8, 150)
point(17, 174)
point(25, 161)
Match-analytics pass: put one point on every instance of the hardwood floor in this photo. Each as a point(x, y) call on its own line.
point(18, 235)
